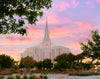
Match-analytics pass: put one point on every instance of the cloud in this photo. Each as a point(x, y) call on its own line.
point(78, 27)
point(84, 26)
point(90, 4)
point(97, 1)
point(61, 31)
point(75, 3)
point(13, 54)
point(54, 18)
point(62, 6)
point(74, 46)
point(2, 49)
point(34, 33)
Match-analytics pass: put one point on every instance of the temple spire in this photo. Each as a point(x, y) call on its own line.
point(46, 35)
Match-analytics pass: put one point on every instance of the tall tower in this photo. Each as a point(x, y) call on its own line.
point(46, 35)
point(46, 40)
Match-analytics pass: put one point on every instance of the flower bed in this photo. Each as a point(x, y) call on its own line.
point(6, 72)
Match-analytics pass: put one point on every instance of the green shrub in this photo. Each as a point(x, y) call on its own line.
point(25, 77)
point(1, 77)
point(47, 64)
point(45, 77)
point(0, 67)
point(32, 77)
point(84, 73)
point(6, 61)
point(41, 76)
point(10, 77)
point(61, 65)
point(18, 77)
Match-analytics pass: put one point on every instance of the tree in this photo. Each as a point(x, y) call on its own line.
point(92, 48)
point(61, 65)
point(79, 57)
point(61, 57)
point(69, 58)
point(27, 62)
point(6, 61)
point(21, 65)
point(47, 64)
point(24, 10)
point(39, 65)
point(0, 67)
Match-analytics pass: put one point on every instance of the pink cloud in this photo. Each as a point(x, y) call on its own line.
point(61, 31)
point(84, 26)
point(13, 54)
point(74, 47)
point(75, 3)
point(54, 18)
point(97, 1)
point(83, 35)
point(90, 4)
point(62, 5)
point(80, 27)
point(2, 49)
point(70, 31)
point(34, 33)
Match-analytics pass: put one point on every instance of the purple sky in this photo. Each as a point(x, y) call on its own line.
point(69, 22)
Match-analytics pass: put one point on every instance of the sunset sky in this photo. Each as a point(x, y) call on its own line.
point(70, 22)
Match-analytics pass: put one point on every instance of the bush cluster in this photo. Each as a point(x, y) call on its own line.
point(83, 73)
point(26, 77)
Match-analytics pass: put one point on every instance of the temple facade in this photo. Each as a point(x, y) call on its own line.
point(46, 49)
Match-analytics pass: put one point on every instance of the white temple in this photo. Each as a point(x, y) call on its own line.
point(46, 49)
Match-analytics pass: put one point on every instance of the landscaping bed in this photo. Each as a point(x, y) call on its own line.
point(83, 73)
point(23, 77)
